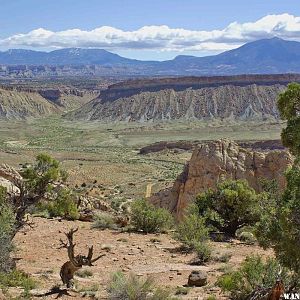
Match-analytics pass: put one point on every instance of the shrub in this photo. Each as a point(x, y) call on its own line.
point(203, 251)
point(289, 108)
point(194, 234)
point(104, 220)
point(38, 177)
point(37, 181)
point(149, 219)
point(16, 278)
point(254, 274)
point(134, 288)
point(63, 206)
point(231, 206)
point(89, 292)
point(131, 287)
point(247, 237)
point(161, 294)
point(7, 220)
point(279, 226)
point(182, 290)
point(224, 258)
point(225, 268)
point(84, 273)
point(192, 229)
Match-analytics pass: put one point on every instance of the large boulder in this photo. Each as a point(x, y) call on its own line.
point(213, 162)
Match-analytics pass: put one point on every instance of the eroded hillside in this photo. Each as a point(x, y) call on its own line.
point(30, 103)
point(228, 101)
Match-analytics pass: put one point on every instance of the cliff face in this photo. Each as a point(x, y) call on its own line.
point(68, 99)
point(30, 103)
point(225, 101)
point(131, 87)
point(217, 161)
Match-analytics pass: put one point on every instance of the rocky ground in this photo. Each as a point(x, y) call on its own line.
point(106, 159)
point(153, 255)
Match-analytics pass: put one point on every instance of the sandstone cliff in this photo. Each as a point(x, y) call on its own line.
point(213, 162)
point(191, 145)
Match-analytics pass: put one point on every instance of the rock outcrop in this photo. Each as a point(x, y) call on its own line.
point(191, 145)
point(188, 98)
point(213, 162)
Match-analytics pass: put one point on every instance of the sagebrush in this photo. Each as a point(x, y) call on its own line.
point(149, 219)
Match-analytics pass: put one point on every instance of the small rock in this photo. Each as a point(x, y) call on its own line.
point(107, 247)
point(197, 278)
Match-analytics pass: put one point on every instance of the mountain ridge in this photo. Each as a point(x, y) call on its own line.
point(240, 98)
point(266, 56)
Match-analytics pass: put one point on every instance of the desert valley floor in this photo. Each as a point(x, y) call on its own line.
point(106, 159)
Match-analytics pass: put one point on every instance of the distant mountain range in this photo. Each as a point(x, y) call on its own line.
point(267, 56)
point(68, 56)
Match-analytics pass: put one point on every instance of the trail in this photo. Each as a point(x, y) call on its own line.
point(149, 190)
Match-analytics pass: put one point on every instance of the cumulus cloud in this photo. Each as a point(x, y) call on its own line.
point(161, 38)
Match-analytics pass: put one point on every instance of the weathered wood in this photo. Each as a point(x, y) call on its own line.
point(74, 263)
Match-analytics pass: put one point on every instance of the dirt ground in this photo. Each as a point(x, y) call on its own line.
point(153, 255)
point(108, 154)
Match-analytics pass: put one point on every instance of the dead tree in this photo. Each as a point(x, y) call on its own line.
point(274, 293)
point(69, 268)
point(277, 291)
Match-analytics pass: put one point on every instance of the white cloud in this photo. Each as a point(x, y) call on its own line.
point(161, 38)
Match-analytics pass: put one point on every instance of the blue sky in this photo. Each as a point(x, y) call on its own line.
point(200, 19)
